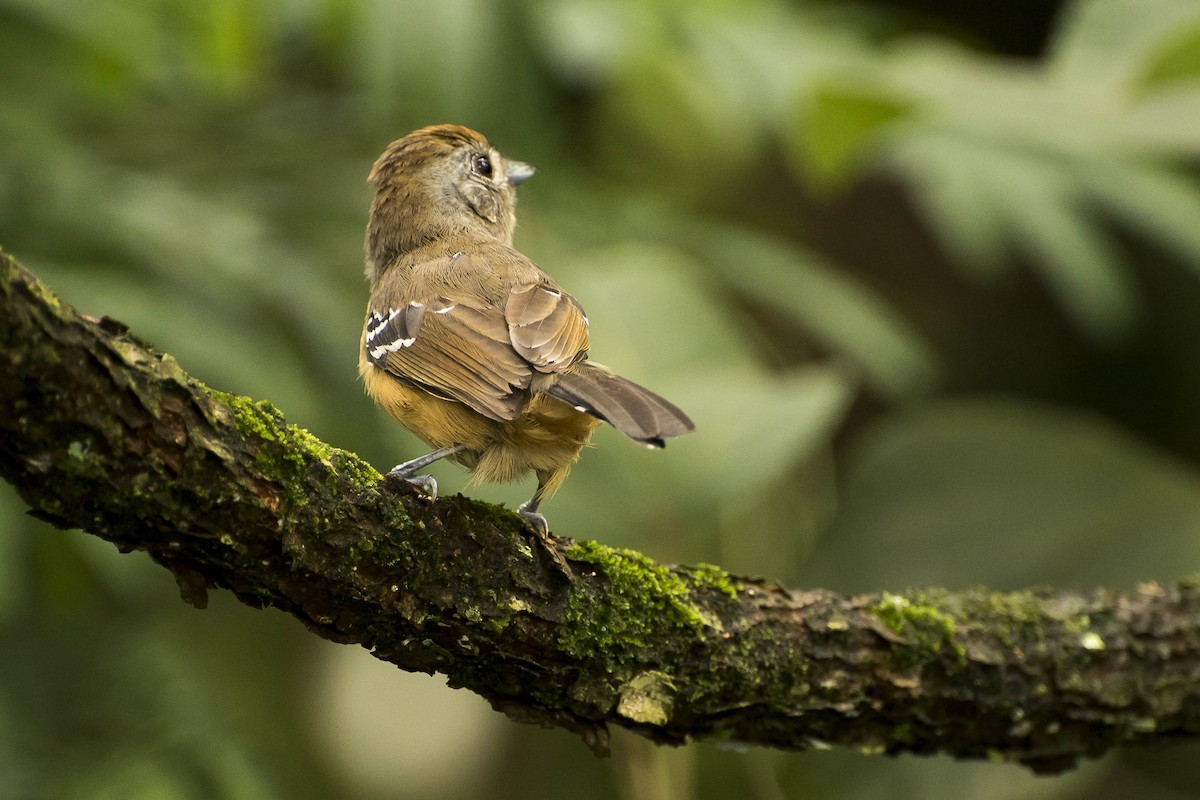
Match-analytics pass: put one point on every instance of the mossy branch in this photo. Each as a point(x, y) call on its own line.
point(100, 432)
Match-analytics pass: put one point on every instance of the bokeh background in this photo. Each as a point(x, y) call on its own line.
point(926, 274)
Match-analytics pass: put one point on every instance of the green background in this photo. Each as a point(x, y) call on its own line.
point(926, 275)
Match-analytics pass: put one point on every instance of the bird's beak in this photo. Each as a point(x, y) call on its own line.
point(519, 172)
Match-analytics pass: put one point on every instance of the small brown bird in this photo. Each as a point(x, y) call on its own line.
point(467, 343)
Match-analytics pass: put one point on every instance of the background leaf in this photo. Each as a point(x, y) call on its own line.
point(1006, 494)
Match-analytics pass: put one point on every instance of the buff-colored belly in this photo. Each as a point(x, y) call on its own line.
point(545, 439)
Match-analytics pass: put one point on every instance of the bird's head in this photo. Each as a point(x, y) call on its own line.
point(438, 181)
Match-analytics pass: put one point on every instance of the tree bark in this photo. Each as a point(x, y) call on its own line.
point(100, 432)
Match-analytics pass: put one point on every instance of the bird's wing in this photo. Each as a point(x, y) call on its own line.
point(474, 338)
point(546, 326)
point(455, 349)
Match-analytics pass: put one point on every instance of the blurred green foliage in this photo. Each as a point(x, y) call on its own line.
point(933, 307)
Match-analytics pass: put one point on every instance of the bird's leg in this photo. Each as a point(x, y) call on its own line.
point(425, 483)
point(537, 523)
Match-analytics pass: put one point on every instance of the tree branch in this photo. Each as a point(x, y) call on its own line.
point(100, 432)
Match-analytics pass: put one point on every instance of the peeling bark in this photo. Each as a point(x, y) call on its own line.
point(100, 432)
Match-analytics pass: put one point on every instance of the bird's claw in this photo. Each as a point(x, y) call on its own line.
point(424, 482)
point(537, 523)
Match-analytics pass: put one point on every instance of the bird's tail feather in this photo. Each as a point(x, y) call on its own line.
point(634, 410)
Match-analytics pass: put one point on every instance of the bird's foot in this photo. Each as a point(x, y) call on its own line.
point(537, 523)
point(424, 482)
point(409, 469)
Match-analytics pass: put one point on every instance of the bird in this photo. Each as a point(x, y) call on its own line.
point(467, 343)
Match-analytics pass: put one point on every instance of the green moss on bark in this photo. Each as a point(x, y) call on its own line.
point(923, 623)
point(638, 603)
point(296, 446)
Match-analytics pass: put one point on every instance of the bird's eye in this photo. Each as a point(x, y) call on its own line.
point(483, 165)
